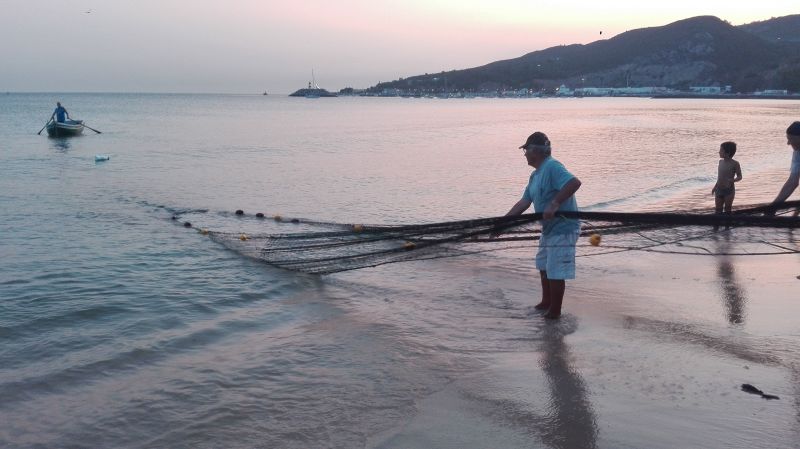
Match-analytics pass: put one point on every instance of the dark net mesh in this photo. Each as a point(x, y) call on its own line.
point(322, 248)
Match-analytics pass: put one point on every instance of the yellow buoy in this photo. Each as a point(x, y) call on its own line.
point(594, 239)
point(277, 217)
point(244, 237)
point(358, 227)
point(204, 231)
point(409, 245)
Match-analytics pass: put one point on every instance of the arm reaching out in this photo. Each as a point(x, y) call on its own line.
point(788, 188)
point(517, 209)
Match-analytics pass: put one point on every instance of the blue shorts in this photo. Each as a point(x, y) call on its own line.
point(556, 255)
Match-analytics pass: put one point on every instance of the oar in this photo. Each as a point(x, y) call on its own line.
point(87, 126)
point(43, 127)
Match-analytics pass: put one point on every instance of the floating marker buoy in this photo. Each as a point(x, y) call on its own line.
point(277, 217)
point(204, 231)
point(239, 212)
point(101, 157)
point(595, 239)
point(260, 215)
point(244, 237)
point(409, 246)
point(295, 220)
point(174, 217)
point(186, 224)
point(358, 227)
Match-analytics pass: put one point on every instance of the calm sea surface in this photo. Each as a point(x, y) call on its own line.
point(121, 329)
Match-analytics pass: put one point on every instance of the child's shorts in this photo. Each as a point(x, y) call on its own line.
point(722, 193)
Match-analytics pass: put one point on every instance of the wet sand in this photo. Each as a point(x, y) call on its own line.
point(651, 353)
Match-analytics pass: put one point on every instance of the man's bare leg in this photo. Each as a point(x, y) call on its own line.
point(556, 291)
point(545, 304)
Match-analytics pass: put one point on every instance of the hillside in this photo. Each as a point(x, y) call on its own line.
point(697, 51)
point(777, 30)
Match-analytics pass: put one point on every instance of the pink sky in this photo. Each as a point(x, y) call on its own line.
point(247, 46)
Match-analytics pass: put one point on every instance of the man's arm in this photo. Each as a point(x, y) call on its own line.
point(788, 188)
point(567, 191)
point(517, 209)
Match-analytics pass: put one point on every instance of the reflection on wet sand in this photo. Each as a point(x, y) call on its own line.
point(571, 422)
point(791, 237)
point(733, 295)
point(750, 349)
point(795, 373)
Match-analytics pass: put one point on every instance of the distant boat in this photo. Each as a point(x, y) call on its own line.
point(65, 129)
point(313, 90)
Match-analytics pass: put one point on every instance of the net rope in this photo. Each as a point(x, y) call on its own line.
point(324, 247)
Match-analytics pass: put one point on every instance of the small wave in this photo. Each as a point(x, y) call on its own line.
point(15, 282)
point(653, 195)
point(49, 323)
point(172, 210)
point(134, 359)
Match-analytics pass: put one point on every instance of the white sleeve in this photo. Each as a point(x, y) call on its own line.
point(795, 168)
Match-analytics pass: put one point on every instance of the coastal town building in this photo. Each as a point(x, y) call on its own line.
point(620, 91)
point(768, 92)
point(710, 89)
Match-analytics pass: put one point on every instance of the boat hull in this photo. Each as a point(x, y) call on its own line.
point(65, 129)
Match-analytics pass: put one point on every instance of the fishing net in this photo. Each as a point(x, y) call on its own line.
point(323, 247)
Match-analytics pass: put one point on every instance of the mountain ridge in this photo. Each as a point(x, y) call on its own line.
point(702, 50)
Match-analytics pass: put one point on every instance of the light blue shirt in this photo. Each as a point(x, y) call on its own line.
point(545, 182)
point(795, 167)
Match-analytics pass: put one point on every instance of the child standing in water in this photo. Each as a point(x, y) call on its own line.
point(728, 173)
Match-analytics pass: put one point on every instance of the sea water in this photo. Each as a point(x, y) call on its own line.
point(120, 328)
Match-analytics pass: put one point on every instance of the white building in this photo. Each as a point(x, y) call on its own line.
point(620, 91)
point(564, 91)
point(710, 89)
point(772, 92)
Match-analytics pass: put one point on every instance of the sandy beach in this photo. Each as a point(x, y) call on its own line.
point(651, 353)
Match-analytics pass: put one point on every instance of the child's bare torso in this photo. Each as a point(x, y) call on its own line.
point(726, 173)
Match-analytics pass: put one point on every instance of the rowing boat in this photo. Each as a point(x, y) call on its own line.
point(65, 129)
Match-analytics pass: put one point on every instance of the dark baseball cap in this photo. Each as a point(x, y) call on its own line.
point(538, 139)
